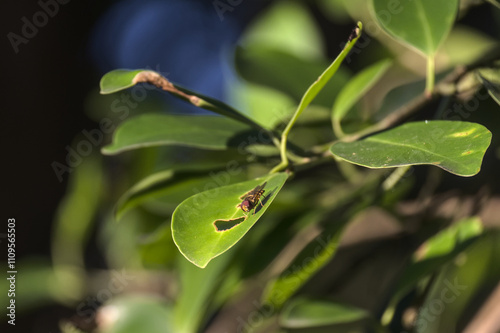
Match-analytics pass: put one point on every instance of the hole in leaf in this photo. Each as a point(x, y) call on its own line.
point(223, 225)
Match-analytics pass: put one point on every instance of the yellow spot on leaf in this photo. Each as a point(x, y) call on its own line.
point(461, 134)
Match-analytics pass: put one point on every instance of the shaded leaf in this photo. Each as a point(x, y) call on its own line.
point(460, 285)
point(208, 132)
point(41, 285)
point(356, 88)
point(289, 27)
point(345, 204)
point(495, 3)
point(421, 24)
point(173, 186)
point(121, 79)
point(132, 314)
point(457, 147)
point(431, 255)
point(479, 46)
point(490, 78)
point(309, 261)
point(267, 106)
point(198, 287)
point(75, 220)
point(193, 223)
point(287, 73)
point(303, 313)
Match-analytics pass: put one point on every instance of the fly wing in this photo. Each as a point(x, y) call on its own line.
point(253, 192)
point(244, 196)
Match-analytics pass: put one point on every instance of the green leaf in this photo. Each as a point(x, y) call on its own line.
point(490, 78)
point(313, 91)
point(304, 313)
point(198, 287)
point(479, 46)
point(118, 80)
point(209, 223)
point(335, 10)
point(138, 314)
point(457, 147)
point(75, 220)
point(461, 284)
point(431, 255)
point(42, 286)
point(449, 239)
point(287, 73)
point(287, 26)
point(344, 203)
point(355, 89)
point(311, 259)
point(170, 185)
point(323, 79)
point(208, 132)
point(267, 106)
point(421, 24)
point(121, 79)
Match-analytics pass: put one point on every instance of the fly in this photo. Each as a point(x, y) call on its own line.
point(251, 198)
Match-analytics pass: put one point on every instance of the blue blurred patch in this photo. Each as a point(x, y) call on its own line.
point(184, 40)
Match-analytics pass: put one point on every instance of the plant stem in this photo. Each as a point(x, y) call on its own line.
point(337, 128)
point(313, 91)
point(395, 177)
point(429, 83)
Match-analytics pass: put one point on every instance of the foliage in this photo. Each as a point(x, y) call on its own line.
point(335, 170)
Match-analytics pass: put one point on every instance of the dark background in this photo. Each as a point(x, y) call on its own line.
point(43, 90)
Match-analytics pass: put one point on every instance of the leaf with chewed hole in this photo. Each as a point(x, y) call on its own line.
point(209, 223)
point(455, 146)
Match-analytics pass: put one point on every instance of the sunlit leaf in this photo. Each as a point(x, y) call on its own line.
point(209, 223)
point(325, 77)
point(457, 147)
